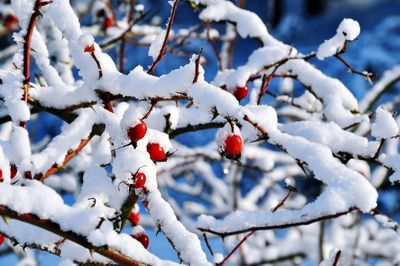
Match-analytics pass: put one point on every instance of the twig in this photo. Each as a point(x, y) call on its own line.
point(211, 41)
point(379, 148)
point(321, 240)
point(254, 124)
point(164, 45)
point(197, 67)
point(98, 64)
point(282, 202)
point(234, 249)
point(153, 103)
point(27, 50)
point(279, 225)
point(264, 85)
point(337, 257)
point(96, 130)
point(123, 42)
point(367, 75)
point(208, 244)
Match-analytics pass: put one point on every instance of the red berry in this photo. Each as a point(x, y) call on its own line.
point(1, 239)
point(140, 180)
point(241, 92)
point(156, 152)
point(137, 132)
point(108, 22)
point(1, 175)
point(233, 146)
point(13, 171)
point(9, 21)
point(371, 116)
point(142, 238)
point(89, 48)
point(108, 106)
point(134, 218)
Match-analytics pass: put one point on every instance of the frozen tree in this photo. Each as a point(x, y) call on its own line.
point(312, 163)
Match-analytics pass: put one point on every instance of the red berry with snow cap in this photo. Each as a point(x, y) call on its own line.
point(142, 238)
point(1, 239)
point(156, 152)
point(233, 146)
point(241, 92)
point(140, 180)
point(137, 132)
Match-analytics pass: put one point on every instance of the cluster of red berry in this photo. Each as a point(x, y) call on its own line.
point(155, 150)
point(157, 153)
point(134, 218)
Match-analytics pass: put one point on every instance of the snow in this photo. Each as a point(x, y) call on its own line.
point(331, 258)
point(70, 138)
point(388, 77)
point(248, 24)
point(384, 126)
point(311, 130)
point(338, 140)
point(155, 47)
point(348, 30)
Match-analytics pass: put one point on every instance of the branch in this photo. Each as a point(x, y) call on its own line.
point(70, 235)
point(27, 50)
point(164, 45)
point(282, 225)
point(280, 204)
point(96, 130)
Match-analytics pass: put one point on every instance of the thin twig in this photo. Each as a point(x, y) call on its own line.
point(27, 50)
point(208, 244)
point(367, 75)
point(337, 257)
point(211, 41)
point(123, 42)
point(282, 202)
point(304, 221)
point(98, 64)
point(164, 45)
point(96, 130)
point(197, 66)
point(234, 249)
